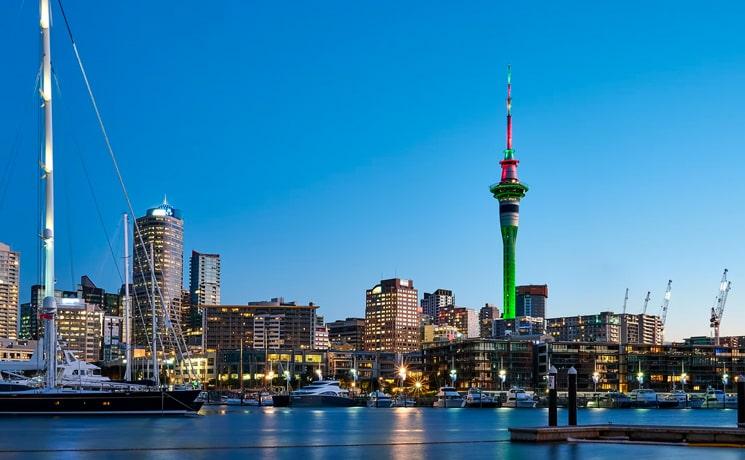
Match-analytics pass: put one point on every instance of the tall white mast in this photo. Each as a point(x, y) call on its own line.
point(154, 348)
point(127, 304)
point(49, 305)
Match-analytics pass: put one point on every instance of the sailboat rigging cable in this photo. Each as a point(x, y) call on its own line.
point(181, 348)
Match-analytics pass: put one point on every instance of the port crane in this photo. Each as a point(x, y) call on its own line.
point(646, 302)
point(665, 305)
point(718, 309)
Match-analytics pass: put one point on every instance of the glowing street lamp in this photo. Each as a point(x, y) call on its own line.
point(453, 376)
point(319, 373)
point(725, 381)
point(683, 380)
point(595, 380)
point(502, 377)
point(402, 374)
point(640, 378)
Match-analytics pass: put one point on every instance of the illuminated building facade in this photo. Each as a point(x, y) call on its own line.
point(432, 302)
point(346, 334)
point(80, 328)
point(204, 285)
point(392, 317)
point(487, 315)
point(531, 300)
point(162, 228)
point(272, 324)
point(10, 275)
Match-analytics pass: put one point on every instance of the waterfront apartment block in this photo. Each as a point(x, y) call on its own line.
point(392, 317)
point(478, 362)
point(431, 303)
point(272, 324)
point(162, 237)
point(346, 334)
point(10, 275)
point(267, 369)
point(531, 300)
point(606, 327)
point(369, 367)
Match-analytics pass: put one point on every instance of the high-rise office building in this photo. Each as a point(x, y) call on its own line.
point(432, 302)
point(346, 334)
point(162, 230)
point(487, 315)
point(531, 300)
point(10, 275)
point(204, 285)
point(392, 317)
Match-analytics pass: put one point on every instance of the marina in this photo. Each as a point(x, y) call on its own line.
point(355, 432)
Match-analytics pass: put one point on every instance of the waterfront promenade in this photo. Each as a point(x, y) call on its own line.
point(359, 432)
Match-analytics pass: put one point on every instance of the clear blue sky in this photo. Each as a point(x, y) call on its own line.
point(320, 146)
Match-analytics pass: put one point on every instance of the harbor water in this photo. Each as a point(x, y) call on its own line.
point(349, 433)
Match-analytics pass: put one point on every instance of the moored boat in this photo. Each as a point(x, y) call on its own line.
point(448, 397)
point(321, 393)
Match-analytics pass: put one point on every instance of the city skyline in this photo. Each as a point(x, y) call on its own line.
point(636, 220)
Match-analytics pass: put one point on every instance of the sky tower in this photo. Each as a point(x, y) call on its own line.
point(509, 191)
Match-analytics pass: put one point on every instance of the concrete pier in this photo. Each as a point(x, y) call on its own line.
point(684, 435)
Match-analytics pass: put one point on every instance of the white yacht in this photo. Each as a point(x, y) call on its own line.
point(718, 398)
point(403, 401)
point(682, 400)
point(74, 373)
point(448, 397)
point(379, 398)
point(518, 398)
point(643, 397)
point(476, 398)
point(321, 393)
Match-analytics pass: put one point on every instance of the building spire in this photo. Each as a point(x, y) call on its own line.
point(508, 150)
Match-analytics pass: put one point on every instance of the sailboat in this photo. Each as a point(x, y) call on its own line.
point(54, 398)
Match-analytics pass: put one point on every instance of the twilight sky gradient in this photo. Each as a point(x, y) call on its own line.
point(320, 146)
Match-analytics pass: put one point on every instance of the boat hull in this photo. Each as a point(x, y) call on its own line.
point(321, 401)
point(100, 403)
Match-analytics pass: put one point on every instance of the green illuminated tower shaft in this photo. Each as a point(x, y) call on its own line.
point(509, 191)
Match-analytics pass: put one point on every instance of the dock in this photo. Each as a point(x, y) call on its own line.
point(682, 435)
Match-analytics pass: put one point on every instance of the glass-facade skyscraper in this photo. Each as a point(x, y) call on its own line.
point(162, 229)
point(204, 285)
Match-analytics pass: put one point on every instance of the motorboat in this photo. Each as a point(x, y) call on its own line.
point(718, 399)
point(680, 399)
point(517, 398)
point(321, 393)
point(379, 398)
point(609, 400)
point(643, 397)
point(476, 398)
point(448, 397)
point(403, 401)
point(266, 399)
